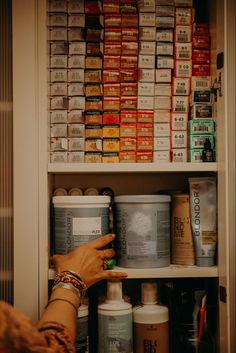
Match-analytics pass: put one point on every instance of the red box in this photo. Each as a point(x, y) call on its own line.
point(128, 144)
point(129, 48)
point(128, 102)
point(128, 75)
point(111, 76)
point(128, 116)
point(129, 20)
point(144, 130)
point(111, 62)
point(145, 144)
point(112, 34)
point(201, 56)
point(128, 62)
point(112, 20)
point(110, 118)
point(111, 89)
point(130, 34)
point(201, 70)
point(112, 48)
point(127, 157)
point(144, 157)
point(129, 89)
point(145, 116)
point(201, 42)
point(201, 29)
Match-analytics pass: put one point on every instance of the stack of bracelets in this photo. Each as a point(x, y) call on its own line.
point(72, 281)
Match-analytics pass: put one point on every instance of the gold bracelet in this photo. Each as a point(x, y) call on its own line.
point(64, 300)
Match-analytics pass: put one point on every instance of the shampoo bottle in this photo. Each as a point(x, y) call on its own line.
point(115, 322)
point(151, 323)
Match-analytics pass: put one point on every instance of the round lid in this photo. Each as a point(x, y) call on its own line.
point(60, 192)
point(81, 199)
point(142, 198)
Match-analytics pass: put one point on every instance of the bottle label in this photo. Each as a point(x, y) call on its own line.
point(115, 333)
point(151, 338)
point(75, 226)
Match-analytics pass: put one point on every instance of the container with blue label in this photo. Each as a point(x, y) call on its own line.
point(142, 226)
point(79, 219)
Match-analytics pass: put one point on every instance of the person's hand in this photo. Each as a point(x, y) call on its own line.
point(87, 260)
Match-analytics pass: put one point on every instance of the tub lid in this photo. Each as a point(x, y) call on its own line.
point(142, 198)
point(72, 200)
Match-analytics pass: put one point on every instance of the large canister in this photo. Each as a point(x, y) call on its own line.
point(79, 219)
point(142, 226)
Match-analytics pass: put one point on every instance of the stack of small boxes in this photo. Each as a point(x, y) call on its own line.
point(146, 66)
point(128, 81)
point(66, 81)
point(164, 67)
point(93, 81)
point(124, 79)
point(201, 125)
point(181, 80)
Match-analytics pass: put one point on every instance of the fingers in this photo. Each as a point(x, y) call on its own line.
point(101, 241)
point(107, 253)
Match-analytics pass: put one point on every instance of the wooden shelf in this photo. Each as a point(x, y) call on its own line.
point(131, 167)
point(172, 271)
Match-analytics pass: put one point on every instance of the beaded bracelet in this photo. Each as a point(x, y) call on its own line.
point(73, 279)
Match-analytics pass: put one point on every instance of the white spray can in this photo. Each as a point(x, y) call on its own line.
point(115, 322)
point(151, 323)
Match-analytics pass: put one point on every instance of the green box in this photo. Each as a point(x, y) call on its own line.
point(197, 140)
point(201, 126)
point(195, 155)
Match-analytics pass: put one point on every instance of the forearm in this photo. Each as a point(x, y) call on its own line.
point(61, 311)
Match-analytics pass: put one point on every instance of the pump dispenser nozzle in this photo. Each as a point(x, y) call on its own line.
point(149, 293)
point(114, 291)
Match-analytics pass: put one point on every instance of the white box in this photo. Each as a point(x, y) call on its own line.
point(162, 143)
point(147, 33)
point(181, 86)
point(76, 61)
point(58, 157)
point(164, 35)
point(179, 121)
point(76, 89)
point(76, 157)
point(76, 20)
point(183, 51)
point(58, 89)
point(145, 102)
point(147, 48)
point(76, 144)
point(161, 156)
point(183, 34)
point(78, 48)
point(165, 48)
point(147, 75)
point(200, 83)
point(179, 139)
point(163, 75)
point(146, 61)
point(146, 88)
point(76, 75)
point(76, 130)
point(161, 129)
point(58, 61)
point(162, 102)
point(147, 5)
point(58, 116)
point(179, 155)
point(162, 116)
point(76, 102)
point(163, 89)
point(183, 68)
point(165, 62)
point(58, 130)
point(58, 75)
point(180, 104)
point(147, 19)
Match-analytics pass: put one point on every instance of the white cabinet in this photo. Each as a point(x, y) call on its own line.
point(34, 178)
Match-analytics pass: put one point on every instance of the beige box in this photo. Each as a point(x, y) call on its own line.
point(58, 75)
point(76, 102)
point(75, 34)
point(179, 139)
point(76, 89)
point(147, 48)
point(57, 33)
point(146, 88)
point(58, 61)
point(145, 102)
point(76, 61)
point(164, 35)
point(162, 143)
point(58, 102)
point(162, 102)
point(76, 20)
point(147, 33)
point(181, 86)
point(93, 157)
point(78, 48)
point(111, 131)
point(183, 68)
point(76, 130)
point(147, 19)
point(76, 144)
point(146, 75)
point(161, 156)
point(164, 48)
point(110, 157)
point(58, 130)
point(180, 104)
point(179, 121)
point(57, 19)
point(179, 155)
point(111, 145)
point(76, 157)
point(147, 6)
point(58, 157)
point(146, 61)
point(161, 116)
point(161, 129)
point(163, 75)
point(93, 145)
point(76, 75)
point(163, 89)
point(58, 144)
point(58, 116)
point(58, 89)
point(165, 62)
point(76, 116)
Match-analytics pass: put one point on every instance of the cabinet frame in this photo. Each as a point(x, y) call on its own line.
point(33, 177)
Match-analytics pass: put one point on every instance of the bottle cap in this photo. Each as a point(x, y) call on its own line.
point(114, 291)
point(149, 293)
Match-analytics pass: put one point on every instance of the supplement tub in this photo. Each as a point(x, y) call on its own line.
point(142, 226)
point(79, 219)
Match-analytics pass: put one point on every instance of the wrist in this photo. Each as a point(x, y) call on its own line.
point(65, 293)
